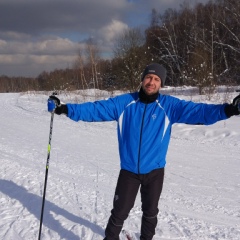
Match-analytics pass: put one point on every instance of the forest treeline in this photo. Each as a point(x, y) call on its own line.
point(199, 46)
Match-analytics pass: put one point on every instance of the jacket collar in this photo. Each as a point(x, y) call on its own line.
point(147, 98)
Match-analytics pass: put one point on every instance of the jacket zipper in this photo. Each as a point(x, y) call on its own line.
point(140, 142)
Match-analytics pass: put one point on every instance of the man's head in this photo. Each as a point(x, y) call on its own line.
point(153, 78)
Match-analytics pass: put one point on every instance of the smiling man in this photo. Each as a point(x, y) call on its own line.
point(153, 78)
point(145, 120)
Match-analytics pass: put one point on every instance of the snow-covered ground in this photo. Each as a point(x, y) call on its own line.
point(200, 199)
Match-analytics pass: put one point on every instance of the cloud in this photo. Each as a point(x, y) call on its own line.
point(34, 33)
point(26, 57)
point(38, 35)
point(114, 28)
point(32, 65)
point(34, 17)
point(45, 47)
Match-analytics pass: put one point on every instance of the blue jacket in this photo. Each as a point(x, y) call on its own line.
point(144, 129)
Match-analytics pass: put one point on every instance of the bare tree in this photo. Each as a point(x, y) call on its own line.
point(130, 51)
point(79, 67)
point(93, 55)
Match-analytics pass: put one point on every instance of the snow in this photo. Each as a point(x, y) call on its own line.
point(200, 199)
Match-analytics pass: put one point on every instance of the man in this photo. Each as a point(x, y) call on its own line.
point(144, 121)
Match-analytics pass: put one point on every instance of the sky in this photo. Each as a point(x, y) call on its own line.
point(43, 35)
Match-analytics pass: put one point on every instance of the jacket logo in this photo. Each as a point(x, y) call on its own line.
point(154, 116)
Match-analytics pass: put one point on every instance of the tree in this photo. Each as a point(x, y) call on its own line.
point(93, 56)
point(80, 70)
point(130, 52)
point(86, 65)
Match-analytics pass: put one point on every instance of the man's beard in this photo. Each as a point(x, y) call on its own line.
point(147, 98)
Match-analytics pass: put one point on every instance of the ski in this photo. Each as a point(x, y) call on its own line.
point(127, 235)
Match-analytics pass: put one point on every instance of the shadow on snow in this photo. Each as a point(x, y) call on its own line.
point(33, 204)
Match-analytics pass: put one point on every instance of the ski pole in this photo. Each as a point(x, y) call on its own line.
point(46, 174)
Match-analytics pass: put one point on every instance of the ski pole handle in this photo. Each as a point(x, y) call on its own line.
point(51, 105)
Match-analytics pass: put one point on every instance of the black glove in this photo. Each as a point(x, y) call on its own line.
point(234, 108)
point(61, 108)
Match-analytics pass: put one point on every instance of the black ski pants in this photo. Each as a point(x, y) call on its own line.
point(125, 194)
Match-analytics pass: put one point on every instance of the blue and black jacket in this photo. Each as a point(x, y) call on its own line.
point(144, 129)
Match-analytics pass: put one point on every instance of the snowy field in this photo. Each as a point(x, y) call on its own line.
point(201, 194)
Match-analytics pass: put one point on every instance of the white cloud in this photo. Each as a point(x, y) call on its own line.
point(37, 35)
point(3, 44)
point(32, 65)
point(32, 57)
point(56, 46)
point(10, 35)
point(48, 59)
point(23, 59)
point(50, 46)
point(113, 29)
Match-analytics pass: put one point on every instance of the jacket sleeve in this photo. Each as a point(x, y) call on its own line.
point(198, 113)
point(104, 110)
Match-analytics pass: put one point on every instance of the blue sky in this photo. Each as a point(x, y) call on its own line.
point(42, 35)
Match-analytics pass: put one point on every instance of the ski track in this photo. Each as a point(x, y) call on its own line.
point(200, 199)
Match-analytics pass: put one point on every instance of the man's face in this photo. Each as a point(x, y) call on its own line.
point(151, 84)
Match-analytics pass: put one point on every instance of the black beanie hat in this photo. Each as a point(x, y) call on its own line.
point(157, 69)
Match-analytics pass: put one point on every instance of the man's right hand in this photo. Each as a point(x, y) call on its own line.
point(55, 105)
